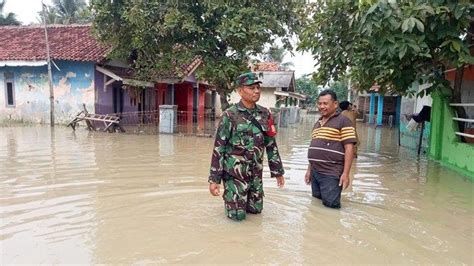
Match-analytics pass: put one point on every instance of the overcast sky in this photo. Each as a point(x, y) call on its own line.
point(27, 12)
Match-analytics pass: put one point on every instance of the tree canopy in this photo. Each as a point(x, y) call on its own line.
point(388, 42)
point(308, 86)
point(276, 53)
point(8, 18)
point(165, 34)
point(67, 12)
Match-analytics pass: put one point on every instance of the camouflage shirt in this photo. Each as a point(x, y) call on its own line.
point(240, 145)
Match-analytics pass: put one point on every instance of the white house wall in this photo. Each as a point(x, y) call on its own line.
point(73, 86)
point(267, 97)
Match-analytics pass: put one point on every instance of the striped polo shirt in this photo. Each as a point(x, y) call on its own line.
point(326, 151)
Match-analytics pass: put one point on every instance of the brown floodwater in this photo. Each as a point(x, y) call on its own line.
point(80, 197)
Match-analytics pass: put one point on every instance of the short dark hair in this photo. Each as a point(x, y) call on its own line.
point(328, 92)
point(344, 105)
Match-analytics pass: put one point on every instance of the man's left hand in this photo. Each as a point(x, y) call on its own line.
point(344, 181)
point(280, 181)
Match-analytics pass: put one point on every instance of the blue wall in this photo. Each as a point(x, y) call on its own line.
point(73, 85)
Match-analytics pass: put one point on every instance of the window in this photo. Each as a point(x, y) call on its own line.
point(9, 90)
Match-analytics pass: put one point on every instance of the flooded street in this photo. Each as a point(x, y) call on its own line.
point(80, 197)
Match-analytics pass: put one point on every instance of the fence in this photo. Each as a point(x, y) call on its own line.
point(191, 123)
point(187, 123)
point(466, 122)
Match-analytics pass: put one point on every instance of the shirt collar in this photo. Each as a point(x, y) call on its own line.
point(337, 113)
point(242, 107)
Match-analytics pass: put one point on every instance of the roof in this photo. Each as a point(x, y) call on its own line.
point(183, 71)
point(267, 66)
point(291, 94)
point(277, 79)
point(67, 42)
point(128, 76)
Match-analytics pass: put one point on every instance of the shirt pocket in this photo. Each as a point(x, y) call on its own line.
point(245, 134)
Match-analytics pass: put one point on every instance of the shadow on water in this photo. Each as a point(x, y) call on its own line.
point(111, 198)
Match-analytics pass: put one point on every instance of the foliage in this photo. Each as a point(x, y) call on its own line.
point(8, 18)
point(67, 12)
point(391, 43)
point(275, 53)
point(166, 34)
point(308, 86)
point(340, 88)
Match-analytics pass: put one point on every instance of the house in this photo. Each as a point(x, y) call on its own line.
point(82, 74)
point(379, 109)
point(24, 75)
point(446, 144)
point(410, 136)
point(277, 88)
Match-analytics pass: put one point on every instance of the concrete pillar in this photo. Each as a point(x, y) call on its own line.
point(170, 94)
point(372, 108)
point(380, 110)
point(168, 119)
point(437, 124)
point(284, 116)
point(398, 110)
point(173, 101)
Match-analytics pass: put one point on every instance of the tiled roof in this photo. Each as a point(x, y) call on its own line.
point(160, 76)
point(67, 42)
point(184, 70)
point(266, 66)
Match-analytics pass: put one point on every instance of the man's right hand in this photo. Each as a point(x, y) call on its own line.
point(214, 189)
point(307, 177)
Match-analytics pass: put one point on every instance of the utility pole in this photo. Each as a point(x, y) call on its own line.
point(349, 90)
point(50, 75)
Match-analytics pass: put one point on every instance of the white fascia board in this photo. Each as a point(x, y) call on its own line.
point(15, 63)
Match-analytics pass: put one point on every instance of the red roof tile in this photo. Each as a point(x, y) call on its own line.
point(267, 66)
point(184, 70)
point(67, 42)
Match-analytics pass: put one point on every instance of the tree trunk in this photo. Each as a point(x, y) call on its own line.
point(224, 89)
point(224, 103)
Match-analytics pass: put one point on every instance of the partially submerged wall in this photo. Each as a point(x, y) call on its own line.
point(73, 84)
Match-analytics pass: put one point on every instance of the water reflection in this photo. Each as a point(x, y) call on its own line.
point(113, 198)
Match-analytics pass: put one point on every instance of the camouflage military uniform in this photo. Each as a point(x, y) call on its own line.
point(237, 159)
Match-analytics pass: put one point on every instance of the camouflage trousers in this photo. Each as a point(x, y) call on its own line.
point(242, 197)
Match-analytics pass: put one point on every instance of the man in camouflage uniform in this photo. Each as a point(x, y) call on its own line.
point(245, 131)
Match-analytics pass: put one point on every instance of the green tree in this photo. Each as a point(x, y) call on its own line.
point(67, 12)
point(307, 86)
point(8, 18)
point(165, 34)
point(340, 88)
point(276, 53)
point(391, 43)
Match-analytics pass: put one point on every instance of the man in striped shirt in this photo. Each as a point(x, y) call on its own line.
point(331, 152)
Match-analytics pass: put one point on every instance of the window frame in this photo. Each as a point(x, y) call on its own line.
point(9, 78)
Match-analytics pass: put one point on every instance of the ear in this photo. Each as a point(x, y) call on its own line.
point(239, 90)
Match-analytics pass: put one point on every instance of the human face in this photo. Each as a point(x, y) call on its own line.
point(327, 106)
point(250, 94)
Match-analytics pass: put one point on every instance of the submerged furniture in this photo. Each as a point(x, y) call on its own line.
point(111, 122)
